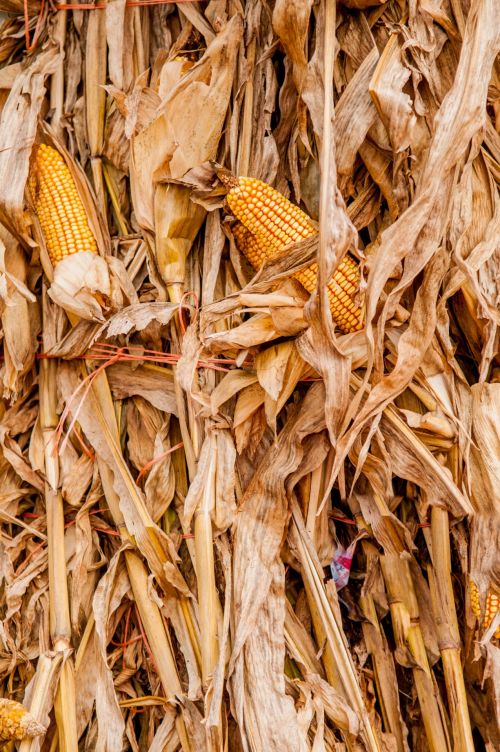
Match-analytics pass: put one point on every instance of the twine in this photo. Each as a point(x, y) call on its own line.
point(31, 44)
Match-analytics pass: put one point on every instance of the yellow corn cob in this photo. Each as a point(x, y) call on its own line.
point(58, 206)
point(492, 606)
point(16, 723)
point(268, 222)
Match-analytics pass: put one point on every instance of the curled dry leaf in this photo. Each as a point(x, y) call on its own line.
point(84, 284)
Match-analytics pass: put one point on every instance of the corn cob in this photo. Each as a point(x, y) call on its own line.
point(16, 723)
point(268, 222)
point(341, 288)
point(58, 206)
point(492, 606)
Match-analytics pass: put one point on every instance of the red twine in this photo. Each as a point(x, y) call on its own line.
point(31, 44)
point(160, 457)
point(105, 351)
point(131, 3)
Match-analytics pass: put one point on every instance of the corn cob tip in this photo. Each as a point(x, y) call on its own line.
point(225, 176)
point(16, 723)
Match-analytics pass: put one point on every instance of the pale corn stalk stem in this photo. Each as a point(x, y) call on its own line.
point(209, 607)
point(141, 56)
point(107, 418)
point(65, 708)
point(328, 172)
point(154, 627)
point(245, 139)
point(111, 187)
point(113, 502)
point(80, 653)
point(87, 634)
point(57, 80)
point(405, 620)
point(98, 182)
point(328, 658)
point(46, 666)
point(189, 449)
point(316, 482)
point(95, 97)
point(148, 610)
point(384, 672)
point(299, 643)
point(205, 572)
point(443, 602)
point(333, 634)
point(177, 221)
point(158, 639)
point(60, 621)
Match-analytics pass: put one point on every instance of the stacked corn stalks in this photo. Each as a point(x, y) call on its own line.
point(167, 565)
point(66, 232)
point(267, 223)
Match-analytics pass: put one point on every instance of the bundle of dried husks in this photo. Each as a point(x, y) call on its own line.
point(250, 408)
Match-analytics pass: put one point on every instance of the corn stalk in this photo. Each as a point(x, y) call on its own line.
point(443, 603)
point(405, 620)
point(60, 622)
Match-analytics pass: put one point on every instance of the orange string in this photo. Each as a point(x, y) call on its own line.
point(22, 566)
point(160, 457)
point(102, 6)
point(145, 639)
point(30, 45)
point(345, 520)
point(111, 354)
point(103, 351)
point(86, 450)
point(87, 383)
point(106, 530)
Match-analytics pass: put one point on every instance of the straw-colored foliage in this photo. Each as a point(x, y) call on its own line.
point(227, 526)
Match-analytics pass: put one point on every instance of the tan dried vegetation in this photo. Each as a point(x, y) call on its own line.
point(226, 524)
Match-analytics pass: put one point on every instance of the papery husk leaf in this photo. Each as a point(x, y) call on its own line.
point(168, 148)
